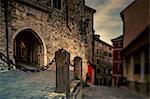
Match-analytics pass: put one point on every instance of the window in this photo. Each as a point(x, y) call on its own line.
point(120, 67)
point(109, 48)
point(105, 53)
point(110, 55)
point(136, 68)
point(119, 55)
point(97, 61)
point(97, 51)
point(98, 71)
point(109, 71)
point(57, 4)
point(104, 70)
point(119, 44)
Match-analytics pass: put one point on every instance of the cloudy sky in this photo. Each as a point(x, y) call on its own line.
point(107, 20)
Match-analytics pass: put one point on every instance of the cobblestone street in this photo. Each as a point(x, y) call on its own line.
point(17, 84)
point(104, 92)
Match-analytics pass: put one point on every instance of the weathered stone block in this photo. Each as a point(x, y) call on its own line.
point(62, 71)
point(77, 67)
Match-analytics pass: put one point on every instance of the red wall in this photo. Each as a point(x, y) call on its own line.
point(117, 59)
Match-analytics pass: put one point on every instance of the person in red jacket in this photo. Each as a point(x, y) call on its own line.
point(90, 74)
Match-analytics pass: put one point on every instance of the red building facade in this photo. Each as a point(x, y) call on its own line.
point(117, 68)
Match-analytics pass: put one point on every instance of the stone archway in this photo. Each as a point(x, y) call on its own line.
point(28, 48)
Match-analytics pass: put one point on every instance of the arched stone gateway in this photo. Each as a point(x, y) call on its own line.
point(29, 48)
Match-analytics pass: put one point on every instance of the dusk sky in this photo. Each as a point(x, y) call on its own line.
point(107, 20)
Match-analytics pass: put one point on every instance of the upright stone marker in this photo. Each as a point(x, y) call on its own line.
point(77, 67)
point(62, 72)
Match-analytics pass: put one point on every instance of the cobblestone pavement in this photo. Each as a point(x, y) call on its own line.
point(17, 84)
point(104, 92)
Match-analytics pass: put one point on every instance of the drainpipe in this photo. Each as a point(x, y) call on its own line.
point(6, 29)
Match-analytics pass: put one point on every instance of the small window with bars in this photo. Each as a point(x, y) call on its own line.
point(57, 4)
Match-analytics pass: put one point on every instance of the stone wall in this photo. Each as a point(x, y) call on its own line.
point(3, 65)
point(2, 28)
point(88, 19)
point(50, 25)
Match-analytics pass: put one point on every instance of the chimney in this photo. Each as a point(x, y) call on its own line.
point(97, 37)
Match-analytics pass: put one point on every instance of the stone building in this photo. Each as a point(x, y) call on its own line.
point(103, 61)
point(136, 56)
point(117, 67)
point(31, 31)
point(89, 40)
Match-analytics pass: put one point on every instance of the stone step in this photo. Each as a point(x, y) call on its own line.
point(29, 66)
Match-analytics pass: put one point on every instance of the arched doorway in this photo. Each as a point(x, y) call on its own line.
point(28, 48)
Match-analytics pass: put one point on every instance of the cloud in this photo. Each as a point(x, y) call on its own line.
point(107, 20)
point(106, 23)
point(95, 3)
